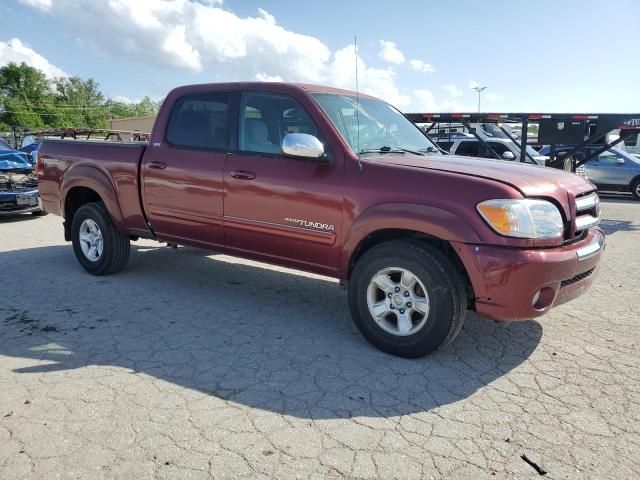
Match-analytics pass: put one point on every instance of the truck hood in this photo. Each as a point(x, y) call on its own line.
point(530, 180)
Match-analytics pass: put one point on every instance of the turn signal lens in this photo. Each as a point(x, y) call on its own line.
point(498, 218)
point(523, 218)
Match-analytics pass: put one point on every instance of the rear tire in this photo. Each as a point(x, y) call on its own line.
point(438, 286)
point(99, 247)
point(635, 189)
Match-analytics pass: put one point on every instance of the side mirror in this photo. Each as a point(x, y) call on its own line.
point(302, 145)
point(508, 155)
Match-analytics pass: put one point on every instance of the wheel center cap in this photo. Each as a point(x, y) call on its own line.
point(397, 299)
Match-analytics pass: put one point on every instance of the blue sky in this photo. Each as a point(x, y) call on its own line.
point(557, 56)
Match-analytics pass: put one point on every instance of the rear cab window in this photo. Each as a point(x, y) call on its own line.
point(200, 121)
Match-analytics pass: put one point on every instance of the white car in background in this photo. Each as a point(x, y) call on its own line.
point(505, 148)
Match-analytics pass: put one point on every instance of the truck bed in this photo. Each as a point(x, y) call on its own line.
point(62, 163)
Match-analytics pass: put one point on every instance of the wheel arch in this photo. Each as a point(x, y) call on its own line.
point(85, 184)
point(388, 222)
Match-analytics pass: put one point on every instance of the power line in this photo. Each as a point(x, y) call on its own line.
point(33, 113)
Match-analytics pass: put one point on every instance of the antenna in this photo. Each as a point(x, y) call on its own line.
point(355, 51)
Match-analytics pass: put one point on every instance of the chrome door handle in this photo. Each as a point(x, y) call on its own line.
point(243, 175)
point(157, 165)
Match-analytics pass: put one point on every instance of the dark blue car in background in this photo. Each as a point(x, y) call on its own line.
point(18, 182)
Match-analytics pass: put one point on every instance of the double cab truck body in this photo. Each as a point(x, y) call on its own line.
point(343, 185)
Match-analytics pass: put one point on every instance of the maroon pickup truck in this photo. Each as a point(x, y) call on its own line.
point(322, 180)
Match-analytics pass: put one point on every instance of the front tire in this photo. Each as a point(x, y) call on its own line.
point(407, 298)
point(99, 247)
point(635, 189)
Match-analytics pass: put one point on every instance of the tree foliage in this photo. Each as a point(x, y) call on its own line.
point(29, 99)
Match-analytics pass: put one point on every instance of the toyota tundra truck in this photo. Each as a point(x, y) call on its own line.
point(339, 184)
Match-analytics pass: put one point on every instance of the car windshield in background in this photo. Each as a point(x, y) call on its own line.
point(625, 155)
point(378, 127)
point(5, 147)
point(492, 130)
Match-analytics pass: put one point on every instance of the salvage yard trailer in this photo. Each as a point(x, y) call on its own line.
point(578, 130)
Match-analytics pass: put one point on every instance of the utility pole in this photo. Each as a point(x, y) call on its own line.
point(479, 89)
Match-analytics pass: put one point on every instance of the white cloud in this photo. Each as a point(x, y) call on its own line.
point(453, 90)
point(425, 101)
point(264, 77)
point(44, 5)
point(493, 97)
point(195, 36)
point(389, 53)
point(16, 51)
point(420, 66)
point(202, 36)
point(124, 99)
point(379, 82)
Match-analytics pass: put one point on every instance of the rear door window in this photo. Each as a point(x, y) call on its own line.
point(469, 149)
point(445, 145)
point(199, 121)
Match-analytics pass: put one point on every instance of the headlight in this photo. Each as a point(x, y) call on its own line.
point(523, 218)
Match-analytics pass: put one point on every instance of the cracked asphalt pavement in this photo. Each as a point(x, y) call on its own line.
point(195, 365)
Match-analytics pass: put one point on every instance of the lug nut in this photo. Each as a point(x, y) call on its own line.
point(389, 295)
point(409, 304)
point(391, 307)
point(397, 289)
point(406, 294)
point(401, 311)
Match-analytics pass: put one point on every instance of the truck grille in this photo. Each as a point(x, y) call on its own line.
point(587, 212)
point(577, 278)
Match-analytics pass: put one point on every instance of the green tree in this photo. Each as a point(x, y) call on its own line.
point(80, 103)
point(143, 108)
point(26, 98)
point(29, 99)
point(146, 107)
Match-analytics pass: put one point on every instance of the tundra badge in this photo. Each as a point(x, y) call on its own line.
point(310, 224)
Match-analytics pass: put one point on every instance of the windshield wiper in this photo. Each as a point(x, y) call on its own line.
point(414, 152)
point(385, 149)
point(433, 150)
point(388, 149)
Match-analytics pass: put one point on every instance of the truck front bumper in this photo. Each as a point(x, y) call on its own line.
point(519, 284)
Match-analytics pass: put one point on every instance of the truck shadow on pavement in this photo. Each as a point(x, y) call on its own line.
point(611, 226)
point(243, 332)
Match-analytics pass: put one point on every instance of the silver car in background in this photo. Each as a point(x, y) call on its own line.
point(614, 170)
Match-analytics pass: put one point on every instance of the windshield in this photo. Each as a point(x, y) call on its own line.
point(4, 147)
point(377, 127)
point(532, 151)
point(625, 155)
point(492, 130)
